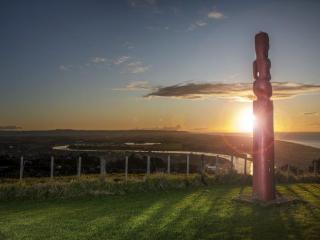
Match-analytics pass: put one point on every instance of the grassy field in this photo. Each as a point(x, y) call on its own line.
point(201, 213)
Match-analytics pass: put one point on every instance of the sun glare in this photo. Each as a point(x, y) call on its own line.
point(245, 120)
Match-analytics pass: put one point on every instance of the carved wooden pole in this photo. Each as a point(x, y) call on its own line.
point(263, 135)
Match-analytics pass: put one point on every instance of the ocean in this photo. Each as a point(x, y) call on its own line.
point(311, 139)
point(308, 139)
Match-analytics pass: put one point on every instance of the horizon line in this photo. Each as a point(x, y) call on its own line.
point(159, 130)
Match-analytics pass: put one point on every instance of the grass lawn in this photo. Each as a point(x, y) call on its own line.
point(203, 213)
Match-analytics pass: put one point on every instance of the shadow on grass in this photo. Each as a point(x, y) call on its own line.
point(206, 213)
point(177, 219)
point(252, 221)
point(309, 191)
point(213, 215)
point(2, 236)
point(316, 186)
point(306, 215)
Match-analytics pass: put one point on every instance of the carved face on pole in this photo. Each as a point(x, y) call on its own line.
point(262, 45)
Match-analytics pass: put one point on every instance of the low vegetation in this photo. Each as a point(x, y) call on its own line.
point(115, 184)
point(94, 185)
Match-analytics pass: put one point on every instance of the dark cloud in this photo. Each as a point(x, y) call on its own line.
point(237, 91)
point(10, 127)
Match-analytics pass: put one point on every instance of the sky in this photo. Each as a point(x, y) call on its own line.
point(155, 64)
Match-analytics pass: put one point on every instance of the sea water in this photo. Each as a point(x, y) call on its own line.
point(308, 139)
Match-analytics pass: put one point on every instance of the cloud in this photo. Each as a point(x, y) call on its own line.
point(164, 128)
point(196, 24)
point(213, 15)
point(201, 23)
point(134, 3)
point(216, 15)
point(137, 67)
point(201, 90)
point(121, 59)
point(236, 91)
point(10, 127)
point(136, 86)
point(97, 60)
point(200, 129)
point(65, 67)
point(115, 61)
point(310, 113)
point(128, 45)
point(94, 61)
point(139, 85)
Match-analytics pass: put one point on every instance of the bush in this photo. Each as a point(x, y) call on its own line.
point(86, 185)
point(283, 177)
point(93, 185)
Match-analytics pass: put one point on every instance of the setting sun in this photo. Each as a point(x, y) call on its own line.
point(245, 120)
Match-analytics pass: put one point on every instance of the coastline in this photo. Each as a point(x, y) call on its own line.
point(306, 144)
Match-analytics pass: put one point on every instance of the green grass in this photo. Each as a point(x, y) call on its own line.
point(198, 213)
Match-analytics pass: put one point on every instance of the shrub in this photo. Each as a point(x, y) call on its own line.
point(93, 185)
